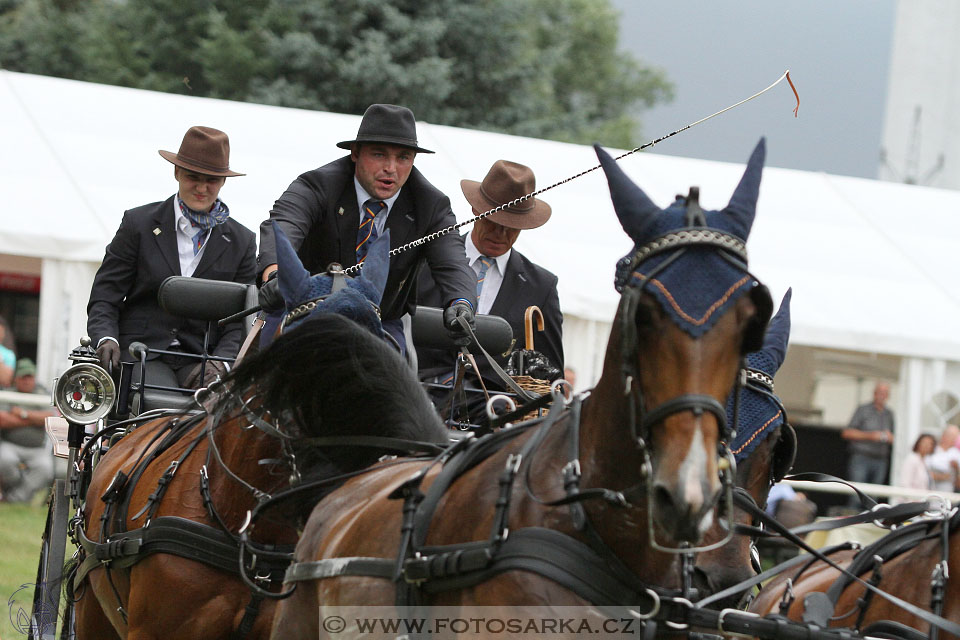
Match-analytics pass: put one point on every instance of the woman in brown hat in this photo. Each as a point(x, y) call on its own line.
point(507, 281)
point(191, 233)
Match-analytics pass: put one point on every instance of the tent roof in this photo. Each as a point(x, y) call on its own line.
point(869, 261)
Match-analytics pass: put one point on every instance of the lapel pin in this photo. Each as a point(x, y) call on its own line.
point(340, 211)
point(156, 231)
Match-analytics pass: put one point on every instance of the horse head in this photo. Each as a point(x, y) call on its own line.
point(764, 447)
point(356, 298)
point(689, 311)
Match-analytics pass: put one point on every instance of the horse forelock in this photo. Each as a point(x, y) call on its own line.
point(330, 376)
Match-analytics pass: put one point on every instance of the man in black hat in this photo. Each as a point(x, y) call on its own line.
point(507, 282)
point(191, 233)
point(331, 214)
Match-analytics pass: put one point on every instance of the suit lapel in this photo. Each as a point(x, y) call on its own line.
point(220, 238)
point(514, 281)
point(401, 220)
point(347, 219)
point(167, 237)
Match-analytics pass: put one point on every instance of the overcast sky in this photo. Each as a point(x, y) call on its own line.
point(717, 53)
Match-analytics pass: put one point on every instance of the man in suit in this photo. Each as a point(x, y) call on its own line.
point(331, 214)
point(191, 234)
point(507, 281)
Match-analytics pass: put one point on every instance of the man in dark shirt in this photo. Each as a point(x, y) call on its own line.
point(869, 437)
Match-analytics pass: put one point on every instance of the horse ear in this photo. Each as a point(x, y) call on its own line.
point(291, 276)
point(634, 209)
point(778, 332)
point(376, 266)
point(743, 203)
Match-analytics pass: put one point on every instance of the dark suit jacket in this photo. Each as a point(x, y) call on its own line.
point(123, 300)
point(524, 284)
point(319, 214)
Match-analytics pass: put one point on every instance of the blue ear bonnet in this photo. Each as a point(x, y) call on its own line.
point(358, 299)
point(760, 415)
point(701, 284)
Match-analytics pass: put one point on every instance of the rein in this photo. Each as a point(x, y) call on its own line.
point(513, 203)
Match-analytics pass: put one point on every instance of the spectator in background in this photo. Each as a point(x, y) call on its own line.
point(870, 434)
point(8, 360)
point(944, 460)
point(914, 473)
point(26, 458)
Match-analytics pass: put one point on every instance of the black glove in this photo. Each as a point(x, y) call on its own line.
point(109, 353)
point(269, 295)
point(459, 309)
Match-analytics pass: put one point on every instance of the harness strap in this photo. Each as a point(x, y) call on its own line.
point(546, 552)
point(180, 537)
point(250, 614)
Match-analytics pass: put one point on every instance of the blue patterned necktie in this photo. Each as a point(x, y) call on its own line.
point(368, 230)
point(485, 262)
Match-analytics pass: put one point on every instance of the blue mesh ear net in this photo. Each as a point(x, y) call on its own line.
point(760, 415)
point(700, 285)
point(355, 301)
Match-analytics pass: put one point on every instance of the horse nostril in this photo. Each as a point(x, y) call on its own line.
point(663, 499)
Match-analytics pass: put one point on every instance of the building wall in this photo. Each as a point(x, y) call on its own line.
point(924, 83)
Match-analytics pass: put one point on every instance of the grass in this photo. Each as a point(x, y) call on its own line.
point(21, 527)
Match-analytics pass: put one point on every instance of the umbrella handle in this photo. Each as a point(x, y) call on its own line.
point(528, 324)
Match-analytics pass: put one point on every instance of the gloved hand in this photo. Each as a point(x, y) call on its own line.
point(197, 378)
point(109, 353)
point(269, 295)
point(459, 309)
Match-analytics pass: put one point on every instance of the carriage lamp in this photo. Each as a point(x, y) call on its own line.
point(85, 393)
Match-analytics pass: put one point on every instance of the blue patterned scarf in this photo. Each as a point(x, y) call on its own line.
point(203, 221)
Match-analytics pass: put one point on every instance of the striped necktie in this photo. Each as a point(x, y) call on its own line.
point(368, 230)
point(485, 262)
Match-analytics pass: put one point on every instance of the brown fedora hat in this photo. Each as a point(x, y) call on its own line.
point(389, 124)
point(506, 181)
point(204, 150)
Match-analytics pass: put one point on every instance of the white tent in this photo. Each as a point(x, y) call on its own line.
point(869, 261)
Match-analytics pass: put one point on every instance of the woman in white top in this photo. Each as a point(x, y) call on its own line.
point(914, 473)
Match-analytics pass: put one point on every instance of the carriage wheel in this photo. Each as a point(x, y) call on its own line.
point(46, 595)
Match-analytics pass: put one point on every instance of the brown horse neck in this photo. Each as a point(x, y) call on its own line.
point(242, 448)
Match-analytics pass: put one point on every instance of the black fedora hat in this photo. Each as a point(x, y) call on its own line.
point(389, 124)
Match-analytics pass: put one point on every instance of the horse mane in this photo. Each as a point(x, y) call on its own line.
point(332, 377)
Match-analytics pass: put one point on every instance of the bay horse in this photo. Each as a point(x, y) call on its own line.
point(910, 566)
point(589, 504)
point(764, 447)
point(159, 552)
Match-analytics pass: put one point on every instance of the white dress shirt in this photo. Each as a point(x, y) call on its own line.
point(362, 196)
point(494, 277)
point(185, 233)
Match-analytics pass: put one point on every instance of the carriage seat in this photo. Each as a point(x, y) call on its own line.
point(493, 332)
point(199, 299)
point(208, 300)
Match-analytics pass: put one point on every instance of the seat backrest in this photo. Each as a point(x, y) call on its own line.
point(202, 299)
point(493, 332)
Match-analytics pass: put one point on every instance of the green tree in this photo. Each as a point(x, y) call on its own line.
point(543, 68)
